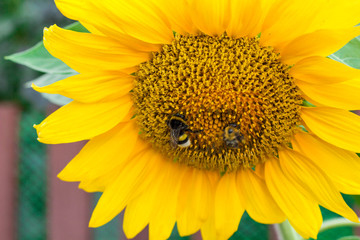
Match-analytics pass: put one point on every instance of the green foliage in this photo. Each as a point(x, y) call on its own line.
point(21, 24)
point(350, 238)
point(39, 59)
point(349, 54)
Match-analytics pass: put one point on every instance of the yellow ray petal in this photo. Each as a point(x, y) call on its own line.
point(208, 231)
point(90, 52)
point(336, 126)
point(99, 184)
point(287, 20)
point(246, 16)
point(210, 16)
point(78, 121)
point(132, 180)
point(300, 170)
point(177, 11)
point(322, 70)
point(138, 211)
point(228, 208)
point(103, 153)
point(196, 195)
point(290, 19)
point(318, 43)
point(260, 171)
point(138, 19)
point(310, 100)
point(122, 38)
point(91, 87)
point(258, 202)
point(163, 217)
point(73, 9)
point(338, 14)
point(343, 95)
point(302, 211)
point(340, 165)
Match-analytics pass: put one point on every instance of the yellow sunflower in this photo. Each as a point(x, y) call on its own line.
point(194, 111)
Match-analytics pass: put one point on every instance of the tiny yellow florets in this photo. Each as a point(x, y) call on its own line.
point(216, 82)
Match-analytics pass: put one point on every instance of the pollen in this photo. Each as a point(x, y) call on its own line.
point(237, 100)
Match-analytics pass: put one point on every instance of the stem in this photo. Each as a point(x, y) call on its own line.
point(338, 222)
point(286, 232)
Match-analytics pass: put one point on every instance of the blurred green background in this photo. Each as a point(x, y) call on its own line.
point(21, 25)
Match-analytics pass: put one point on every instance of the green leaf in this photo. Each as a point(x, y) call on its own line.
point(38, 58)
point(349, 54)
point(356, 198)
point(349, 238)
point(56, 99)
point(47, 79)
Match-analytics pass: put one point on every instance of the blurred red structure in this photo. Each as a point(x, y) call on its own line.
point(9, 122)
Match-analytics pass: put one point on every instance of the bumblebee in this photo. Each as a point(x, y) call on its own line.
point(178, 129)
point(232, 136)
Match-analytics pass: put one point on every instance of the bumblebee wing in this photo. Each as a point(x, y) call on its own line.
point(174, 136)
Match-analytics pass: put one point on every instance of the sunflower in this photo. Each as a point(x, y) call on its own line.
point(194, 111)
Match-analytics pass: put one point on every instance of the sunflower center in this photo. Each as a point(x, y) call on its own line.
point(216, 102)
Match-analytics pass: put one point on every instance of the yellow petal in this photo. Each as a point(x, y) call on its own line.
point(338, 14)
point(246, 16)
point(228, 208)
point(208, 231)
point(312, 179)
point(340, 165)
point(196, 195)
point(259, 204)
point(132, 180)
point(322, 70)
point(139, 19)
point(336, 126)
point(287, 20)
point(91, 87)
point(318, 43)
point(78, 121)
point(290, 19)
point(73, 9)
point(103, 153)
point(86, 52)
point(302, 211)
point(177, 11)
point(123, 39)
point(260, 171)
point(210, 16)
point(343, 95)
point(99, 184)
point(163, 217)
point(138, 211)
